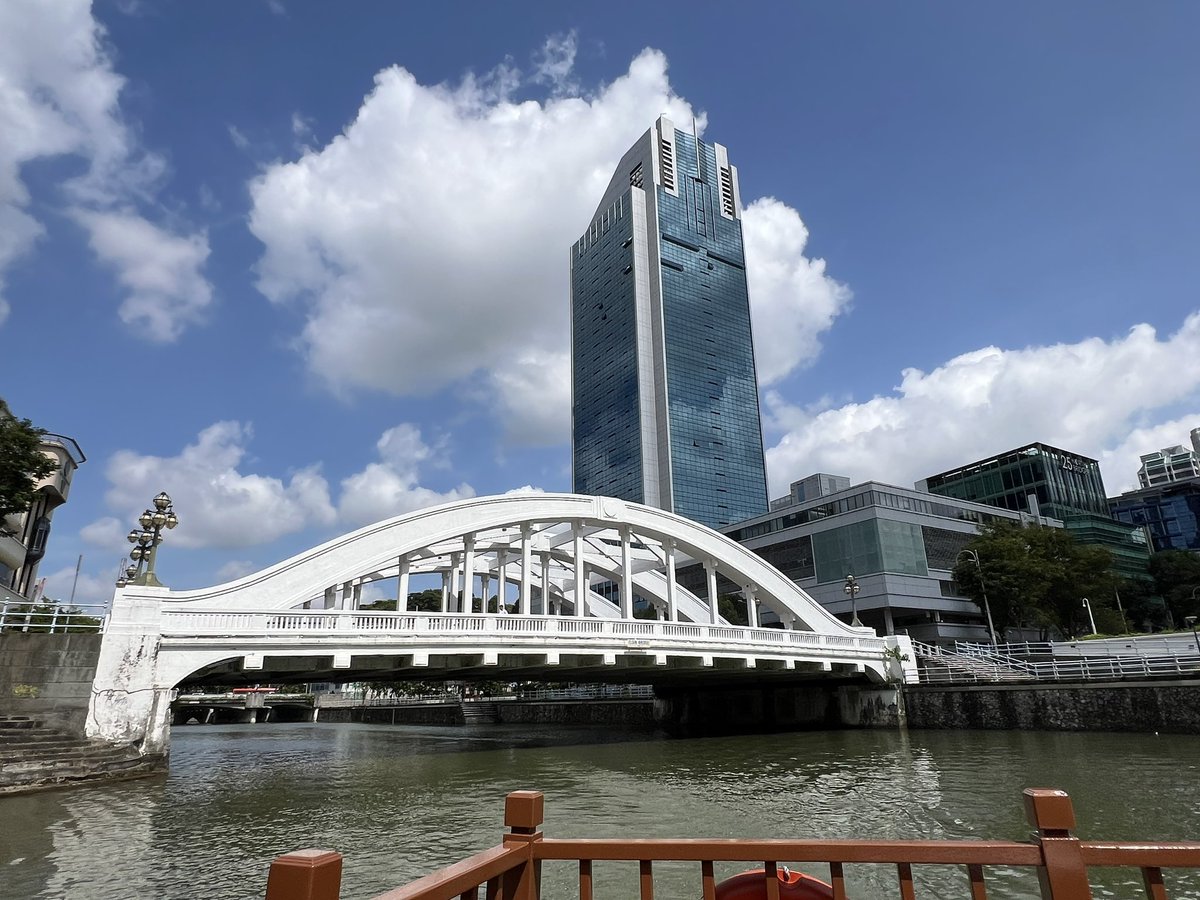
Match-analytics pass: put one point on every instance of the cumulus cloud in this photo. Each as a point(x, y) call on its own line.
point(91, 589)
point(218, 505)
point(427, 244)
point(390, 486)
point(792, 300)
point(160, 270)
point(1087, 397)
point(59, 97)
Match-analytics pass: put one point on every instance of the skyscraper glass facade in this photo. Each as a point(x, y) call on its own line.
point(665, 403)
point(1170, 513)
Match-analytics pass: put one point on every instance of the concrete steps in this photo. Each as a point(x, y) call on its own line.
point(35, 757)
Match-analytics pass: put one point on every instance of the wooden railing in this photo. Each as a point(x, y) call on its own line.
point(512, 870)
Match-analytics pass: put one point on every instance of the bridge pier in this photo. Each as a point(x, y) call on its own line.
point(766, 707)
point(128, 706)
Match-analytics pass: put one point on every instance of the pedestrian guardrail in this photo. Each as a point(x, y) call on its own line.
point(982, 663)
point(51, 617)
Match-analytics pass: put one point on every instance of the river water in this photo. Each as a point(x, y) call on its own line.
point(401, 801)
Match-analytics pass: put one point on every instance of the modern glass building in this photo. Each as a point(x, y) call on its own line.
point(1040, 480)
point(1170, 513)
point(664, 393)
point(900, 544)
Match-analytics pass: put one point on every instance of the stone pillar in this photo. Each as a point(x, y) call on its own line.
point(445, 591)
point(546, 583)
point(128, 704)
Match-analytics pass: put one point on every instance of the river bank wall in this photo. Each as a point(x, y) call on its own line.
point(1168, 707)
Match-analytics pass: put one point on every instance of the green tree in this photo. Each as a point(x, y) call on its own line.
point(1176, 576)
point(22, 463)
point(1037, 577)
point(733, 609)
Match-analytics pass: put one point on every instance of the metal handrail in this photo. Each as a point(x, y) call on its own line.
point(51, 617)
point(512, 870)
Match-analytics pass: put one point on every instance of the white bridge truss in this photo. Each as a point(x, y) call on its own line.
point(567, 568)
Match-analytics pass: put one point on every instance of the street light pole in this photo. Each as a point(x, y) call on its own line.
point(851, 590)
point(1087, 604)
point(146, 540)
point(987, 608)
point(1190, 621)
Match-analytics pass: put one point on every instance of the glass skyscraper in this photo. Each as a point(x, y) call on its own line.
point(664, 394)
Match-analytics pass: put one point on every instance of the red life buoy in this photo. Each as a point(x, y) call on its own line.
point(752, 885)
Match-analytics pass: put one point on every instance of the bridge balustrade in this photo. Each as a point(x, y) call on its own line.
point(200, 623)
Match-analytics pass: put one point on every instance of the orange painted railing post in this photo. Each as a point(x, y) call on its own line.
point(1063, 875)
point(523, 815)
point(305, 875)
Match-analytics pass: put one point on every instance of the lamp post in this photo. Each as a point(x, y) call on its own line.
point(851, 590)
point(1190, 622)
point(1087, 604)
point(146, 540)
point(987, 609)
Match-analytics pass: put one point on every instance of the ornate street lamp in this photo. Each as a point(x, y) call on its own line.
point(146, 539)
point(851, 590)
point(987, 609)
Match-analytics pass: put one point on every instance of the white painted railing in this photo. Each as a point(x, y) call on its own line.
point(337, 625)
point(982, 663)
point(51, 617)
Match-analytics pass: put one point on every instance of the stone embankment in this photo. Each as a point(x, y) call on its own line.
point(34, 756)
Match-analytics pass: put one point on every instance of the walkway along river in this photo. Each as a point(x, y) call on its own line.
point(401, 801)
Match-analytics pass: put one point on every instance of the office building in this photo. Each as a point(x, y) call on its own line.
point(664, 393)
point(1170, 513)
point(818, 485)
point(1039, 480)
point(1171, 464)
point(900, 544)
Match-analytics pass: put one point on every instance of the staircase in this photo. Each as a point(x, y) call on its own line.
point(938, 666)
point(480, 712)
point(34, 756)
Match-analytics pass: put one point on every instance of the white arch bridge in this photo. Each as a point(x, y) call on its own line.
point(568, 570)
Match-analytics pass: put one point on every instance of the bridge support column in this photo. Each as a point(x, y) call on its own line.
point(501, 580)
point(546, 611)
point(581, 586)
point(128, 706)
point(626, 577)
point(468, 589)
point(751, 606)
point(669, 549)
point(402, 586)
point(525, 608)
point(710, 571)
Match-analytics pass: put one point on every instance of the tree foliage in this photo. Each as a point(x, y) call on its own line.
point(22, 463)
point(1176, 576)
point(1037, 577)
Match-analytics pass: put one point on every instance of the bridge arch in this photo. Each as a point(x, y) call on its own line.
point(577, 563)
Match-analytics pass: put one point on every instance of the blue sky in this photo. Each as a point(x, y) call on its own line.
point(304, 265)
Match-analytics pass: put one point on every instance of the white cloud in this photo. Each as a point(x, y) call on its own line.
point(59, 96)
point(427, 244)
point(1085, 397)
point(235, 569)
point(792, 300)
point(160, 270)
point(390, 487)
point(91, 589)
point(555, 63)
point(1121, 463)
point(217, 505)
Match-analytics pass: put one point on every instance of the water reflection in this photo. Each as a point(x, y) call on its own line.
point(401, 801)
